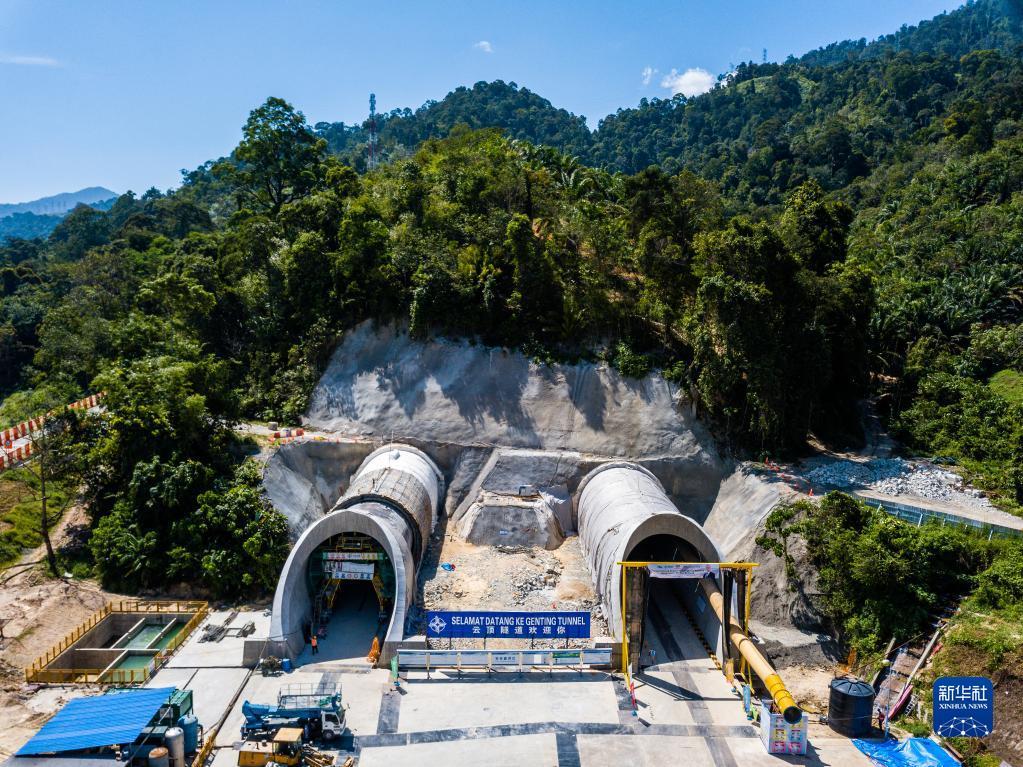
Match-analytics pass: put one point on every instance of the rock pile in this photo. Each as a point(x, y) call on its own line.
point(509, 577)
point(895, 476)
point(527, 582)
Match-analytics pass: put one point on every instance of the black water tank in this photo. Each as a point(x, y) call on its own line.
point(850, 706)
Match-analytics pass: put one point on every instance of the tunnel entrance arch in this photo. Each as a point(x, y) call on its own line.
point(294, 606)
point(624, 514)
point(388, 512)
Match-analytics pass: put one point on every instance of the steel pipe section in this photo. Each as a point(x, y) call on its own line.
point(747, 649)
point(619, 505)
point(393, 498)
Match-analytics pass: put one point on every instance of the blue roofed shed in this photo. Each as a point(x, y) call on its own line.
point(106, 720)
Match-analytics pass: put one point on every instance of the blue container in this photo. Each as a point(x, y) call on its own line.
point(286, 665)
point(190, 724)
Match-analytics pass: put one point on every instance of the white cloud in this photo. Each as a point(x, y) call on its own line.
point(648, 75)
point(483, 45)
point(692, 82)
point(28, 61)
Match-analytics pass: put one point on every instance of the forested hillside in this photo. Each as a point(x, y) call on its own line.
point(518, 112)
point(803, 236)
point(37, 218)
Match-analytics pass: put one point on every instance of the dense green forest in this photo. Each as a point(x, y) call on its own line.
point(805, 235)
point(27, 226)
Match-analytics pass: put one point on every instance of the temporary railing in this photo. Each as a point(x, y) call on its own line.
point(919, 515)
point(39, 672)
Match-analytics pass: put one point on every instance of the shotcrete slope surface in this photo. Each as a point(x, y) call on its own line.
point(384, 384)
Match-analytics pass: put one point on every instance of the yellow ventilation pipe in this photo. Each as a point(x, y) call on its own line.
point(748, 650)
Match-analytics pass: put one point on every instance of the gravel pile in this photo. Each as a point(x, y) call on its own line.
point(895, 476)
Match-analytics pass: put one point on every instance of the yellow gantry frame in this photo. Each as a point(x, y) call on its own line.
point(747, 566)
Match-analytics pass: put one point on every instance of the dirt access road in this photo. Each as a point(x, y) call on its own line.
point(40, 611)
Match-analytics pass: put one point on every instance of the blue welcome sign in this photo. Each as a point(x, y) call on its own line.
point(562, 624)
point(964, 706)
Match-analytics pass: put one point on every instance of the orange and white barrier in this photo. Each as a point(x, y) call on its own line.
point(25, 428)
point(284, 436)
point(9, 455)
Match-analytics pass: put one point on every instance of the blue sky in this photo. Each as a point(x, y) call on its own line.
point(125, 94)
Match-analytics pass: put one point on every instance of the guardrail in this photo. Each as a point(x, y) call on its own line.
point(64, 675)
point(545, 660)
point(182, 635)
point(125, 676)
point(39, 673)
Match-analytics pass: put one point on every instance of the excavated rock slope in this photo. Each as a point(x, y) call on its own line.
point(382, 383)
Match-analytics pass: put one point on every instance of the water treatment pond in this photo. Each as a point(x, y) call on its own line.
point(144, 636)
point(169, 637)
point(134, 662)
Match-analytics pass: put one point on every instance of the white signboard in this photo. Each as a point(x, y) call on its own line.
point(363, 556)
point(351, 571)
point(691, 570)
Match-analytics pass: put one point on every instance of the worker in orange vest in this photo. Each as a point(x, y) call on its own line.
point(316, 648)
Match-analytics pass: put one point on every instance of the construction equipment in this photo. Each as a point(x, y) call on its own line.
point(318, 713)
point(323, 604)
point(270, 666)
point(314, 758)
point(761, 666)
point(284, 749)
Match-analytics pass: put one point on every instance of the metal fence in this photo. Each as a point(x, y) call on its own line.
point(918, 515)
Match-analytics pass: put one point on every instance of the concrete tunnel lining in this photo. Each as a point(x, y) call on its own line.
point(292, 605)
point(393, 499)
point(618, 506)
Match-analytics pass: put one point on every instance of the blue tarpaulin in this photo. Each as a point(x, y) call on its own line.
point(106, 720)
point(914, 752)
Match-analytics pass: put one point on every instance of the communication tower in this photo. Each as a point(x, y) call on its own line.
point(371, 162)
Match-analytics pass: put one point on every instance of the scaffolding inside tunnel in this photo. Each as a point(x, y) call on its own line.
point(341, 564)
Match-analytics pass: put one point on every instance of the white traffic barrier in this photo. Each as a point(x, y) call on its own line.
point(545, 660)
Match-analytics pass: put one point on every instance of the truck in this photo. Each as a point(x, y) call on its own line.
point(315, 711)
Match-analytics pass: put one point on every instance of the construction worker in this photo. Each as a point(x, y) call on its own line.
point(315, 645)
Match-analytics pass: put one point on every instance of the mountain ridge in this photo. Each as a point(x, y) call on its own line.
point(58, 204)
